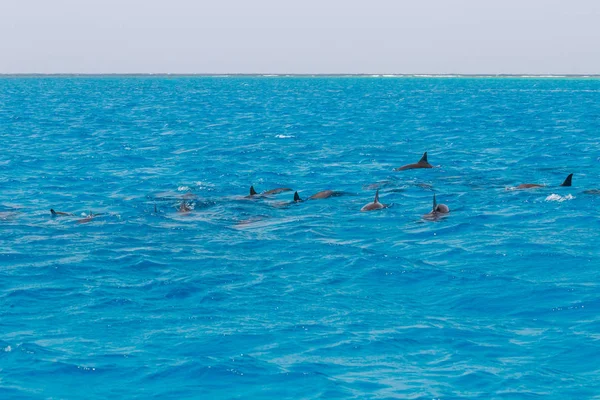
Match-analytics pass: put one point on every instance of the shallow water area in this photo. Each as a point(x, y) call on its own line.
point(267, 298)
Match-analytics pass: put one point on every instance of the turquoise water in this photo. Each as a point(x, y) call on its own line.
point(269, 299)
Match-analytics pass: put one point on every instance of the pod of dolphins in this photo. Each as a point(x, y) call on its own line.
point(437, 210)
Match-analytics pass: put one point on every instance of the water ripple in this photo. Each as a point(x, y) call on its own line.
point(267, 298)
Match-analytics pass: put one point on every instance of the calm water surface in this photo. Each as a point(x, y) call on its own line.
point(269, 299)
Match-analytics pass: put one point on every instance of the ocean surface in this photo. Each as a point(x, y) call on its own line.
point(268, 299)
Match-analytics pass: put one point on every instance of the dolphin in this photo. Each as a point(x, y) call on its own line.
point(250, 221)
point(6, 215)
point(285, 204)
point(184, 207)
point(375, 205)
point(253, 194)
point(438, 210)
point(325, 194)
point(567, 182)
point(88, 218)
point(276, 191)
point(592, 191)
point(85, 220)
point(59, 213)
point(421, 164)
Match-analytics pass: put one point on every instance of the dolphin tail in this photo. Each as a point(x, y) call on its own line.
point(297, 197)
point(423, 159)
point(567, 181)
point(376, 197)
point(52, 212)
point(434, 203)
point(252, 191)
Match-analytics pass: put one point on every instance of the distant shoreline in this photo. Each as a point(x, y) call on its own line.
point(275, 75)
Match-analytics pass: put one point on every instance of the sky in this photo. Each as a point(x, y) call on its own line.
point(303, 37)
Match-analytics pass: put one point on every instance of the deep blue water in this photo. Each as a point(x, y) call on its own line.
point(267, 299)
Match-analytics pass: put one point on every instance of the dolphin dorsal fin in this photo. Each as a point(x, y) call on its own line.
point(52, 211)
point(252, 191)
point(567, 181)
point(423, 159)
point(297, 197)
point(376, 197)
point(434, 203)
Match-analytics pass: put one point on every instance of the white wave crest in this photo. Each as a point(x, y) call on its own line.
point(183, 189)
point(559, 198)
point(284, 136)
point(204, 184)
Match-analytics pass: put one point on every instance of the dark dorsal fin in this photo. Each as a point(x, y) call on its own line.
point(567, 181)
point(376, 197)
point(155, 209)
point(52, 211)
point(252, 191)
point(423, 159)
point(297, 197)
point(434, 203)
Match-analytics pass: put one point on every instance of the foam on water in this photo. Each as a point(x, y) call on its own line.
point(559, 198)
point(267, 298)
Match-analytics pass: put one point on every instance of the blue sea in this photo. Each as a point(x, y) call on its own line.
point(265, 298)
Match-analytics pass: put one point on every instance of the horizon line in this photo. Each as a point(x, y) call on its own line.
point(274, 74)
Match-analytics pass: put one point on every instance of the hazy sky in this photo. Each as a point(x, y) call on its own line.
point(293, 36)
